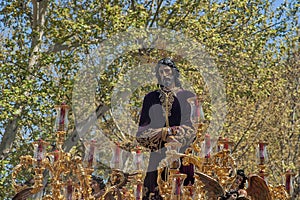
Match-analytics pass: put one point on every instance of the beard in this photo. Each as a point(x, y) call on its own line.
point(167, 81)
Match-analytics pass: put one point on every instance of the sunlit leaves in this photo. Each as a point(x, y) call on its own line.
point(255, 47)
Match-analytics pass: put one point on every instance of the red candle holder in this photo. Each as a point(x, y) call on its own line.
point(56, 155)
point(177, 186)
point(90, 153)
point(288, 178)
point(116, 160)
point(225, 144)
point(220, 145)
point(138, 159)
point(61, 122)
point(40, 148)
point(197, 114)
point(69, 190)
point(262, 154)
point(139, 191)
point(207, 146)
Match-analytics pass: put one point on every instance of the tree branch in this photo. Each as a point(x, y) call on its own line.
point(60, 47)
point(9, 135)
point(85, 125)
point(156, 13)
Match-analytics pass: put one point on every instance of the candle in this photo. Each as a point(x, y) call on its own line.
point(138, 159)
point(139, 191)
point(197, 108)
point(116, 158)
point(69, 190)
point(207, 146)
point(40, 151)
point(118, 152)
point(91, 153)
point(261, 152)
point(62, 117)
point(220, 145)
point(56, 155)
point(197, 113)
point(288, 183)
point(191, 189)
point(61, 121)
point(226, 145)
point(178, 184)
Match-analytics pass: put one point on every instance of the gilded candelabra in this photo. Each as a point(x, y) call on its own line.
point(215, 173)
point(279, 192)
point(125, 186)
point(220, 166)
point(69, 176)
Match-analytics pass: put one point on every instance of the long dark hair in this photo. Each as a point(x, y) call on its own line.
point(168, 62)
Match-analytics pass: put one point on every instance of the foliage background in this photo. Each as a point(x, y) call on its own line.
point(255, 45)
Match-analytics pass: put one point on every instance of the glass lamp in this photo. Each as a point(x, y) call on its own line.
point(69, 190)
point(288, 182)
point(177, 186)
point(61, 122)
point(91, 151)
point(116, 160)
point(40, 147)
point(225, 144)
point(138, 159)
point(173, 148)
point(262, 155)
point(197, 118)
point(138, 166)
point(207, 146)
point(197, 114)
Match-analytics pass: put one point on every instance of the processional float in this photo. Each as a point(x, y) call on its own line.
point(215, 173)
